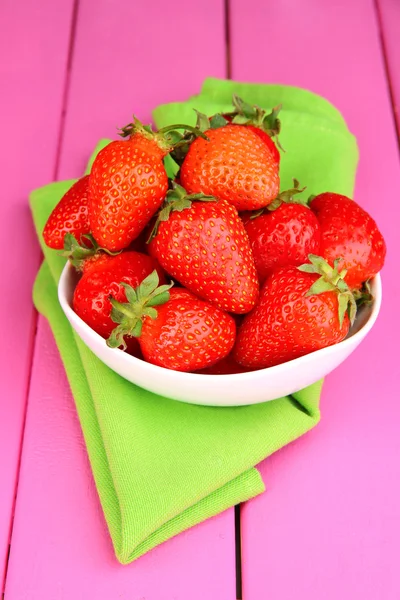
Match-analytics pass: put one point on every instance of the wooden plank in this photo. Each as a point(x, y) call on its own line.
point(128, 62)
point(60, 546)
point(329, 524)
point(34, 58)
point(389, 18)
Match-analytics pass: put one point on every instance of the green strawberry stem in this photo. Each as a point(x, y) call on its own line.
point(194, 130)
point(248, 114)
point(166, 138)
point(77, 253)
point(287, 197)
point(364, 295)
point(204, 123)
point(141, 301)
point(182, 145)
point(177, 199)
point(331, 280)
point(217, 121)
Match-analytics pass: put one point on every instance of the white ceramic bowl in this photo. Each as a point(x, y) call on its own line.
point(221, 390)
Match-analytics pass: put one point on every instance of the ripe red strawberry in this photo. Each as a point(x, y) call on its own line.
point(268, 141)
point(226, 366)
point(266, 126)
point(297, 313)
point(263, 135)
point(127, 185)
point(184, 333)
point(203, 245)
point(349, 232)
point(283, 234)
point(160, 142)
point(234, 165)
point(103, 278)
point(69, 216)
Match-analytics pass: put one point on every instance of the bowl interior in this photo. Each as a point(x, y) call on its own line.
point(274, 382)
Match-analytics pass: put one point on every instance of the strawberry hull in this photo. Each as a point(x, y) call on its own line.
point(188, 333)
point(91, 297)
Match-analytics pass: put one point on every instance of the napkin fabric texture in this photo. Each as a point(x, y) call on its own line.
point(161, 466)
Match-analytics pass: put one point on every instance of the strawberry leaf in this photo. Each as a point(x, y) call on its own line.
point(137, 329)
point(166, 138)
point(271, 124)
point(217, 121)
point(331, 280)
point(244, 109)
point(148, 285)
point(158, 299)
point(130, 292)
point(77, 253)
point(307, 268)
point(247, 114)
point(320, 287)
point(202, 122)
point(178, 200)
point(364, 295)
point(151, 312)
point(130, 315)
point(343, 303)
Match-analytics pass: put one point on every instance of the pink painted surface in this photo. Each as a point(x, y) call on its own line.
point(328, 526)
point(389, 16)
point(114, 75)
point(32, 76)
point(60, 547)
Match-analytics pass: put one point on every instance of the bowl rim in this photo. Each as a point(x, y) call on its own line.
point(154, 370)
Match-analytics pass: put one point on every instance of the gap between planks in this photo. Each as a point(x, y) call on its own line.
point(74, 21)
point(386, 67)
point(238, 542)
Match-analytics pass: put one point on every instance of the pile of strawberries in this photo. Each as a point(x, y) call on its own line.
point(214, 271)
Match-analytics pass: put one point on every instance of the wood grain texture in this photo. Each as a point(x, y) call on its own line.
point(329, 524)
point(123, 61)
point(389, 17)
point(32, 73)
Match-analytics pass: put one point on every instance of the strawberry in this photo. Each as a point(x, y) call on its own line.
point(127, 186)
point(128, 183)
point(226, 366)
point(267, 141)
point(183, 333)
point(300, 310)
point(202, 243)
point(266, 126)
point(234, 165)
point(69, 216)
point(285, 233)
point(91, 296)
point(349, 232)
point(160, 142)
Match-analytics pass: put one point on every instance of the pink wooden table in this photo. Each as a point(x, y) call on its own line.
point(328, 526)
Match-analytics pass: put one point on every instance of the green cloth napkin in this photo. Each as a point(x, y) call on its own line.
point(162, 466)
